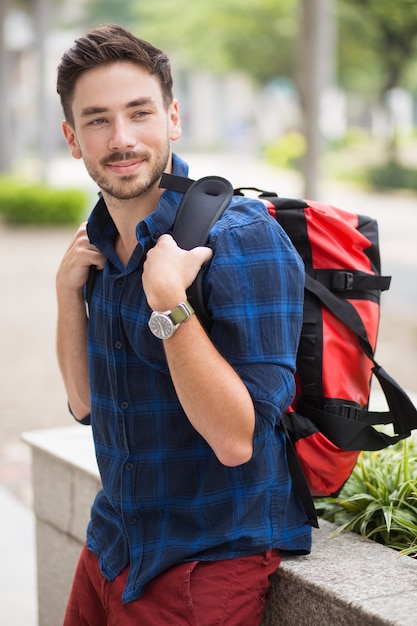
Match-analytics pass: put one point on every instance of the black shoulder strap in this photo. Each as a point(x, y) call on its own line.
point(89, 287)
point(202, 205)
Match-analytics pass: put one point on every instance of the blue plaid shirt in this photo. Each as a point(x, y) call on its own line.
point(166, 498)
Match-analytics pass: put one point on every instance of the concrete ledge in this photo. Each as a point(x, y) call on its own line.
point(65, 482)
point(347, 580)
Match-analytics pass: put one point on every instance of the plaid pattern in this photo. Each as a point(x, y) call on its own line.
point(166, 498)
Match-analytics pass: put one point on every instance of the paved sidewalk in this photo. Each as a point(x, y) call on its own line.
point(32, 394)
point(18, 601)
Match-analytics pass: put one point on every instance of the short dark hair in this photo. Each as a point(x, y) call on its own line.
point(104, 45)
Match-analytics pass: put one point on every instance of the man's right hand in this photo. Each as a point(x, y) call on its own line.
point(73, 270)
point(72, 320)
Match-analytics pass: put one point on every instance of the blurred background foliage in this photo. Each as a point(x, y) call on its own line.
point(376, 50)
point(377, 45)
point(310, 79)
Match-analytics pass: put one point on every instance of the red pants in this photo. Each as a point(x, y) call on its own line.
point(199, 593)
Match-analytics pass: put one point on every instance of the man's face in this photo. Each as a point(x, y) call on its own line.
point(122, 130)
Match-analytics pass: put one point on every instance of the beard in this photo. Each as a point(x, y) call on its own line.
point(130, 186)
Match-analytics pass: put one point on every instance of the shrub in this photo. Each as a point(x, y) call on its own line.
point(392, 176)
point(287, 151)
point(379, 501)
point(40, 205)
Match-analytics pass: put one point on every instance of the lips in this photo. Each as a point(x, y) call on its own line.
point(124, 167)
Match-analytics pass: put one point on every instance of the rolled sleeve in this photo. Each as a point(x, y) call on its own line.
point(255, 287)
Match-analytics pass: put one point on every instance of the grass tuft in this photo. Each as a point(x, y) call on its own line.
point(379, 501)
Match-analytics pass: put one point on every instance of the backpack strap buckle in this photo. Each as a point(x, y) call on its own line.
point(347, 411)
point(342, 281)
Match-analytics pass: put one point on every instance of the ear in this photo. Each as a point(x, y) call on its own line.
point(71, 138)
point(174, 121)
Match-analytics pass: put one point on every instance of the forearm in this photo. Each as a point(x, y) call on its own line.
point(72, 353)
point(72, 320)
point(213, 396)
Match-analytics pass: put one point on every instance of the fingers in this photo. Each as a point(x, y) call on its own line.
point(169, 271)
point(86, 253)
point(202, 255)
point(167, 252)
point(73, 271)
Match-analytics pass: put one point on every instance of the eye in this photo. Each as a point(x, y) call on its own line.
point(141, 114)
point(97, 122)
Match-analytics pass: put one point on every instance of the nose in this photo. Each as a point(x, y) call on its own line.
point(122, 136)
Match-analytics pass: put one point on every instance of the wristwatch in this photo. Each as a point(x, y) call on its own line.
point(163, 324)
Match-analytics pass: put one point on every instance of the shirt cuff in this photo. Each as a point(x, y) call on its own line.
point(85, 421)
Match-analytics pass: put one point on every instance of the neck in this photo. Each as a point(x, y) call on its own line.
point(126, 214)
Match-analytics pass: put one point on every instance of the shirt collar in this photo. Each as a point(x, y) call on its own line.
point(161, 220)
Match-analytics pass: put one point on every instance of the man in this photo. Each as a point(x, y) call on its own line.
point(197, 501)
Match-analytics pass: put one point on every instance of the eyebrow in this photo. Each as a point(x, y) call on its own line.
point(97, 110)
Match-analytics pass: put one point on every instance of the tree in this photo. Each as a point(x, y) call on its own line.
point(378, 43)
point(377, 50)
point(40, 12)
point(99, 11)
point(314, 77)
point(4, 91)
point(222, 35)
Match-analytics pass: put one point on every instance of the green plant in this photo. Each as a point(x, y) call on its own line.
point(392, 176)
point(379, 501)
point(40, 205)
point(287, 151)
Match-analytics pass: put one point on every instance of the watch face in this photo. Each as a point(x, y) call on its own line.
point(161, 325)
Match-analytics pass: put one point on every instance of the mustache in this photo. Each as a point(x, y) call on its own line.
point(116, 157)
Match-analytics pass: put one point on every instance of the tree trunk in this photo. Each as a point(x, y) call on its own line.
point(41, 27)
point(5, 156)
point(316, 72)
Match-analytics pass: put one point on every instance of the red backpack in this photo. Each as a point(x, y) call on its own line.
point(328, 423)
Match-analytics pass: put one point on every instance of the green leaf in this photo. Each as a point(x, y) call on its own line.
point(379, 501)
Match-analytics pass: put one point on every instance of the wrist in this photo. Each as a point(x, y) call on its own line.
point(167, 302)
point(70, 299)
point(163, 324)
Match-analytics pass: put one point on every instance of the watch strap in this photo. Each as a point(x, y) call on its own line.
point(181, 313)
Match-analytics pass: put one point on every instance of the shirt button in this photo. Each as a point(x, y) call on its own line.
point(132, 521)
point(118, 345)
point(120, 283)
point(124, 405)
point(129, 467)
